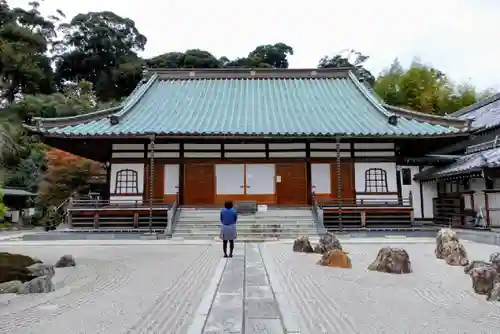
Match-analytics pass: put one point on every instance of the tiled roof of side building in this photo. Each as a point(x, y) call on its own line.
point(483, 115)
point(249, 102)
point(468, 163)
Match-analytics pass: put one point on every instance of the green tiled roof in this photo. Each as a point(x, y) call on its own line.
point(322, 103)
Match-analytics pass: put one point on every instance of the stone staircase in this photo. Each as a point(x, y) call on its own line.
point(273, 224)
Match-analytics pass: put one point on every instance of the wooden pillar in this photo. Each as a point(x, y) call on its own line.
point(136, 219)
point(181, 174)
point(487, 208)
point(96, 220)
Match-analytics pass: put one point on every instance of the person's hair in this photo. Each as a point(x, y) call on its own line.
point(228, 204)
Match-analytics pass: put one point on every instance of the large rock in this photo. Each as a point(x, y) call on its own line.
point(335, 258)
point(494, 294)
point(65, 261)
point(444, 236)
point(13, 267)
point(41, 284)
point(327, 242)
point(392, 260)
point(475, 264)
point(10, 287)
point(483, 279)
point(495, 260)
point(456, 254)
point(42, 269)
point(303, 245)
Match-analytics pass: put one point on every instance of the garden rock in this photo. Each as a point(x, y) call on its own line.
point(443, 237)
point(42, 269)
point(41, 284)
point(13, 267)
point(475, 264)
point(392, 260)
point(457, 255)
point(10, 287)
point(335, 258)
point(483, 279)
point(494, 294)
point(495, 260)
point(302, 245)
point(65, 261)
point(327, 242)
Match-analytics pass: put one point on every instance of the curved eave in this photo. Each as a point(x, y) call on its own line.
point(461, 124)
point(46, 133)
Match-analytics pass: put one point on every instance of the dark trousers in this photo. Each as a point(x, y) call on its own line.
point(231, 247)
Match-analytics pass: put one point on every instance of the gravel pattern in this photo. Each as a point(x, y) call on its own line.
point(114, 289)
point(435, 298)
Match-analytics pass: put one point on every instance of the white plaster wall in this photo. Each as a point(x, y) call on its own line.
point(126, 200)
point(429, 192)
point(477, 185)
point(494, 205)
point(139, 168)
point(414, 188)
point(361, 167)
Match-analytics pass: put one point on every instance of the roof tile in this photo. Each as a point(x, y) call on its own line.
point(320, 106)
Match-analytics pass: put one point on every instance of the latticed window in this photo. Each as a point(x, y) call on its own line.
point(126, 182)
point(376, 180)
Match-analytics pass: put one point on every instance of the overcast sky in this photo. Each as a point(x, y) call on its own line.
point(460, 37)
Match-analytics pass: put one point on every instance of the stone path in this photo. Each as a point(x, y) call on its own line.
point(243, 301)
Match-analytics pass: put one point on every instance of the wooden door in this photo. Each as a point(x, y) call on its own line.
point(291, 183)
point(346, 181)
point(199, 187)
point(158, 181)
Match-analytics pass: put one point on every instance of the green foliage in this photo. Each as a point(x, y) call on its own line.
point(2, 206)
point(424, 88)
point(349, 58)
point(100, 47)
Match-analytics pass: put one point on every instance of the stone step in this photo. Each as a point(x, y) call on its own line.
point(246, 220)
point(266, 223)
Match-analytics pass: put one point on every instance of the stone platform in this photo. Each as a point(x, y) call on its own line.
point(133, 286)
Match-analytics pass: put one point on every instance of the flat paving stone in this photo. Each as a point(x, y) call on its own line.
point(261, 308)
point(267, 326)
point(226, 315)
point(261, 291)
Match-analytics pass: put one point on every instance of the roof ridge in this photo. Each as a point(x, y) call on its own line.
point(118, 110)
point(145, 87)
point(477, 105)
point(367, 95)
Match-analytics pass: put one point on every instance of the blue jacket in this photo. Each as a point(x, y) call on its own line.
point(228, 216)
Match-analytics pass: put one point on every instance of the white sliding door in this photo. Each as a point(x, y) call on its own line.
point(320, 177)
point(260, 179)
point(171, 186)
point(230, 179)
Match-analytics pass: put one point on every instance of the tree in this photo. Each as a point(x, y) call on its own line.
point(100, 47)
point(193, 58)
point(268, 55)
point(2, 206)
point(424, 88)
point(25, 37)
point(66, 174)
point(349, 58)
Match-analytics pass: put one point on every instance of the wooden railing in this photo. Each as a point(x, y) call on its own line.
point(118, 203)
point(366, 202)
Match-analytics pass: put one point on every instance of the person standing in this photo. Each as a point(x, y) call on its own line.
point(228, 219)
